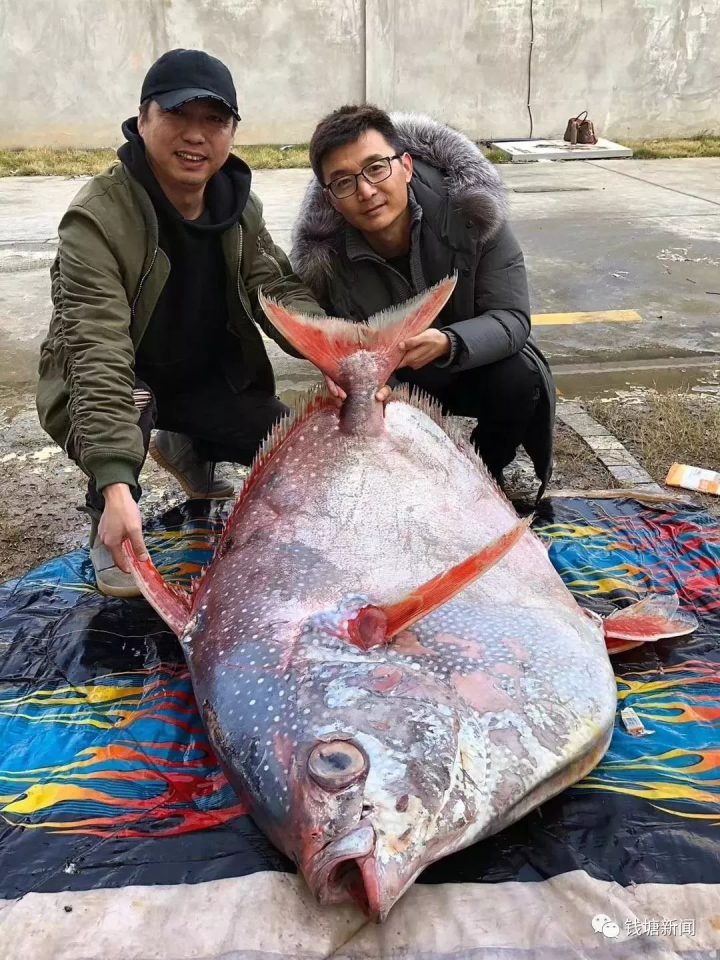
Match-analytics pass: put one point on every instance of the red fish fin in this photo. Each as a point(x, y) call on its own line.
point(407, 320)
point(327, 341)
point(172, 603)
point(324, 341)
point(312, 403)
point(373, 625)
point(614, 646)
point(657, 617)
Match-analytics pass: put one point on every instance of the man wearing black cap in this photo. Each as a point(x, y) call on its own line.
point(155, 297)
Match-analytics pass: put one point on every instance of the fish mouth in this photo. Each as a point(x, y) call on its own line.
point(345, 871)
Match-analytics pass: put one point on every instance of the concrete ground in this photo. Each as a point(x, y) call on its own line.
point(626, 252)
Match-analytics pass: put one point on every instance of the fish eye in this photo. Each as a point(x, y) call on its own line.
point(337, 764)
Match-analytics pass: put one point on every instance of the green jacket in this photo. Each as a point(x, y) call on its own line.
point(106, 280)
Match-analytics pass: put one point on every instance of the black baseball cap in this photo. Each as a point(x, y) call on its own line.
point(181, 75)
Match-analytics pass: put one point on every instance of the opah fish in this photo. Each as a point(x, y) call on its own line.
point(387, 663)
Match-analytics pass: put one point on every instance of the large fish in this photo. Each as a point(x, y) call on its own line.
point(387, 664)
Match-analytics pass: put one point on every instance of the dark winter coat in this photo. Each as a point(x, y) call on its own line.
point(459, 224)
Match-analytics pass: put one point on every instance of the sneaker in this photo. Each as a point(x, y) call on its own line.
point(174, 453)
point(111, 580)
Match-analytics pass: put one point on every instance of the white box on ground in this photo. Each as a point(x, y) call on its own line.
point(522, 151)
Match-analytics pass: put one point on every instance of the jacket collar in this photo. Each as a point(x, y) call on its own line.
point(357, 247)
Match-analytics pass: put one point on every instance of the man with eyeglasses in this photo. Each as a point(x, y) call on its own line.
point(155, 310)
point(397, 205)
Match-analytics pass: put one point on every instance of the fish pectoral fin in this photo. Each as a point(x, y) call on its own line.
point(171, 603)
point(374, 625)
point(656, 617)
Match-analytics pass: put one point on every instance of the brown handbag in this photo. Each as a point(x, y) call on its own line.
point(580, 130)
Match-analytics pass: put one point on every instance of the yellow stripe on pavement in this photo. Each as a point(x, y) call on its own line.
point(601, 316)
point(560, 319)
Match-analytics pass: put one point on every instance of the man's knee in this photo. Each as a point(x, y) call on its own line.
point(146, 406)
point(515, 377)
point(498, 392)
point(237, 434)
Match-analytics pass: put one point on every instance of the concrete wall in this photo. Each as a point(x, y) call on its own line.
point(642, 68)
point(71, 70)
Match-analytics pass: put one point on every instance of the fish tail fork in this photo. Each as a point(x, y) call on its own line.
point(329, 342)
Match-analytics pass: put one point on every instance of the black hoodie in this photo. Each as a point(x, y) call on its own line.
point(187, 338)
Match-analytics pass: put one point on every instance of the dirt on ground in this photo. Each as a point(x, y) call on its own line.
point(660, 429)
point(41, 490)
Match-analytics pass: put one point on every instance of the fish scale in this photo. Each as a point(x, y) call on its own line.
point(387, 663)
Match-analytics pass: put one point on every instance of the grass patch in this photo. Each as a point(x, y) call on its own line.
point(272, 157)
point(49, 162)
point(703, 145)
point(495, 154)
point(666, 428)
point(70, 162)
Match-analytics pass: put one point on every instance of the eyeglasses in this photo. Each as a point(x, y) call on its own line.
point(374, 172)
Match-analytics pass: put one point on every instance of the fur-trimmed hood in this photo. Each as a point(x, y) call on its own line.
point(471, 181)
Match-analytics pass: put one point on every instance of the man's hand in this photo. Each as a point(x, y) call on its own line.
point(424, 348)
point(121, 521)
point(382, 396)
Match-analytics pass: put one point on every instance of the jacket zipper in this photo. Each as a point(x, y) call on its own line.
point(243, 299)
point(142, 281)
point(271, 258)
point(388, 266)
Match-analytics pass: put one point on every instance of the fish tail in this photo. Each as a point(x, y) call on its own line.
point(657, 617)
point(328, 342)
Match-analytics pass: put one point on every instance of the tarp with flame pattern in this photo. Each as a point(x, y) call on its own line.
point(106, 776)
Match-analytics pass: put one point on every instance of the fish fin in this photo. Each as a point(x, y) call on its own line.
point(376, 624)
point(314, 401)
point(171, 603)
point(328, 341)
point(427, 404)
point(656, 617)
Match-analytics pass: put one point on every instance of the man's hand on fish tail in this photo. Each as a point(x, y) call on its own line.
point(121, 521)
point(382, 396)
point(427, 346)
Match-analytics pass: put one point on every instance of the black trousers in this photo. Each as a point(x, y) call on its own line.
point(501, 396)
point(223, 425)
